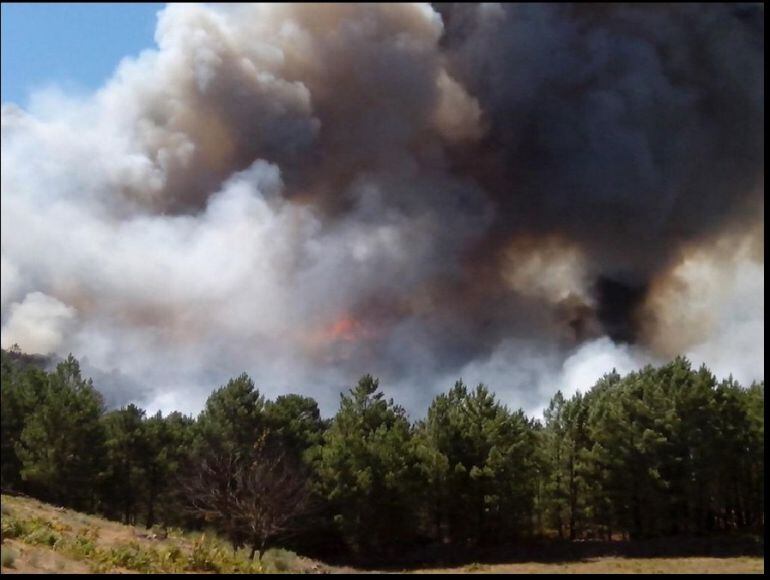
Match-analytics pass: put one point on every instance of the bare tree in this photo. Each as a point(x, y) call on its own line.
point(210, 491)
point(252, 498)
point(271, 492)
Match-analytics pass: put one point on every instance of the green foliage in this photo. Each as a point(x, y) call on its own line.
point(562, 447)
point(84, 545)
point(42, 536)
point(296, 421)
point(13, 527)
point(126, 449)
point(168, 442)
point(61, 446)
point(21, 388)
point(366, 469)
point(133, 557)
point(206, 555)
point(478, 459)
point(233, 418)
point(209, 555)
point(658, 452)
point(35, 531)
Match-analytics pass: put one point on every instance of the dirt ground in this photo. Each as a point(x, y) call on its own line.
point(738, 565)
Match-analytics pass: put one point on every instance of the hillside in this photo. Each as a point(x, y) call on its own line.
point(38, 537)
point(41, 538)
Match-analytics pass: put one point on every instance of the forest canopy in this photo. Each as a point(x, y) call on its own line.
point(663, 451)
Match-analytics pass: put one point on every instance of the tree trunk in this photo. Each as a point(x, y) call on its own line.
point(480, 534)
point(151, 502)
point(151, 511)
point(258, 545)
point(572, 496)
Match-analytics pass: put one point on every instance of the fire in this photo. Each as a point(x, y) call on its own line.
point(346, 329)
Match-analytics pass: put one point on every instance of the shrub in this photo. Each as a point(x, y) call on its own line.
point(175, 533)
point(13, 527)
point(172, 560)
point(58, 526)
point(279, 560)
point(42, 537)
point(7, 556)
point(204, 557)
point(133, 557)
point(83, 545)
point(208, 555)
point(41, 533)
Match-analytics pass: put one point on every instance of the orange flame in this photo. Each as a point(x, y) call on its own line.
point(338, 339)
point(346, 329)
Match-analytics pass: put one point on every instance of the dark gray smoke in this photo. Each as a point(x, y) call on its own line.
point(521, 194)
point(629, 130)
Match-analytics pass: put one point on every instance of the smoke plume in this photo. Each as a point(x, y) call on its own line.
point(525, 195)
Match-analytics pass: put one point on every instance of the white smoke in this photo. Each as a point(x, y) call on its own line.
point(712, 308)
point(38, 322)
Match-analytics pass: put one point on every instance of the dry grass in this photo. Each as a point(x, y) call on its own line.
point(47, 539)
point(39, 560)
point(111, 537)
point(738, 565)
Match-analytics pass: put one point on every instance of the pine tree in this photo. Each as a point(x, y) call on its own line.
point(20, 391)
point(366, 470)
point(482, 459)
point(126, 449)
point(62, 445)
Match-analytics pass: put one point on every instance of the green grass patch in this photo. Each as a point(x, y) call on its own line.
point(211, 555)
point(206, 554)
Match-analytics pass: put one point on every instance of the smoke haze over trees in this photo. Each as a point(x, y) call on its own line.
point(525, 195)
point(667, 451)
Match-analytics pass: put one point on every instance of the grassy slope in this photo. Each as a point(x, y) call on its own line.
point(50, 539)
point(44, 538)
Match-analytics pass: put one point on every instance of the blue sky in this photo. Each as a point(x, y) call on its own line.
point(74, 46)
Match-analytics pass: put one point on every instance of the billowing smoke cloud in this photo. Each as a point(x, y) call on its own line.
point(524, 195)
